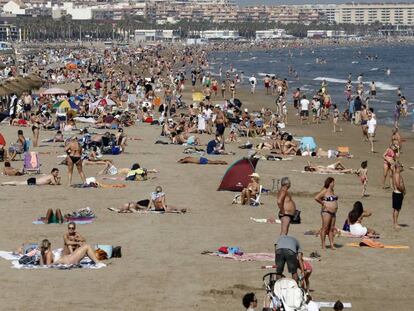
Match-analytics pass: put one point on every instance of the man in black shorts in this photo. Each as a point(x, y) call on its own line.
point(398, 193)
point(288, 251)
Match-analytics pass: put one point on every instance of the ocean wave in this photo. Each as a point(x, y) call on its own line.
point(380, 85)
point(264, 74)
point(374, 69)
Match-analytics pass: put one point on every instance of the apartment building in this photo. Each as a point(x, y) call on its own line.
point(369, 13)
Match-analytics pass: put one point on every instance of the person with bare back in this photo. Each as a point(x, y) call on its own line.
point(287, 206)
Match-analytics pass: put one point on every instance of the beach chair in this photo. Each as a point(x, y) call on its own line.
point(253, 201)
point(31, 163)
point(256, 201)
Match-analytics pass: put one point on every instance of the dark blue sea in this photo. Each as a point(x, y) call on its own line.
point(371, 62)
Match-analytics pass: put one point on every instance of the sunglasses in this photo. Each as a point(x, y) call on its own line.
point(71, 228)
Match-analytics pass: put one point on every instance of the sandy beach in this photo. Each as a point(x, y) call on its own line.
point(162, 267)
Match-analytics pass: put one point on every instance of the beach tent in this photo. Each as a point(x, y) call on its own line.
point(65, 105)
point(102, 102)
point(237, 176)
point(198, 97)
point(54, 91)
point(2, 140)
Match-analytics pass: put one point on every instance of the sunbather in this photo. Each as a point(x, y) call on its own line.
point(74, 158)
point(53, 218)
point(8, 170)
point(355, 217)
point(157, 201)
point(252, 189)
point(201, 160)
point(74, 258)
point(336, 167)
point(52, 179)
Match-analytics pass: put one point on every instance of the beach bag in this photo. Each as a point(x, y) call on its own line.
point(116, 252)
point(31, 181)
point(307, 144)
point(116, 150)
point(292, 297)
point(29, 260)
point(296, 217)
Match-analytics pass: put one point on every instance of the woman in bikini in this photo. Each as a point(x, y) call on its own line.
point(329, 202)
point(74, 258)
point(389, 157)
point(74, 151)
point(34, 119)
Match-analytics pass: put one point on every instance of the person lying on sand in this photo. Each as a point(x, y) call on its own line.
point(8, 170)
point(336, 167)
point(74, 258)
point(201, 160)
point(52, 179)
point(157, 201)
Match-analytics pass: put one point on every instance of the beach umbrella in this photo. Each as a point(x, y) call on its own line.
point(71, 66)
point(4, 91)
point(198, 97)
point(2, 140)
point(65, 105)
point(54, 91)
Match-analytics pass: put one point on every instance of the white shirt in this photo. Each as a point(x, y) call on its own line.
point(253, 80)
point(372, 124)
point(304, 104)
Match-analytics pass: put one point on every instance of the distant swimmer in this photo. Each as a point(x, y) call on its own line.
point(388, 71)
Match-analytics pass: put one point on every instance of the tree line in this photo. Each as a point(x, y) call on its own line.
point(46, 28)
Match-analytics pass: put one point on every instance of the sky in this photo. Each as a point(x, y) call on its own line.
point(275, 2)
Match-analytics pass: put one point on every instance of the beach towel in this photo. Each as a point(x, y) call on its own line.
point(266, 220)
point(76, 220)
point(375, 244)
point(86, 263)
point(245, 256)
point(320, 173)
point(324, 304)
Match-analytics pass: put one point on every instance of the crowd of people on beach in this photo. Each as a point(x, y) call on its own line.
point(119, 88)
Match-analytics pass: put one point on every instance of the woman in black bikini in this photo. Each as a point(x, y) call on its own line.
point(329, 202)
point(34, 119)
point(74, 151)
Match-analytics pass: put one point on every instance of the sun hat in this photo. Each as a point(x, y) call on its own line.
point(255, 175)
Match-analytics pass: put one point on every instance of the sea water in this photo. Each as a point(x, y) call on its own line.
point(372, 62)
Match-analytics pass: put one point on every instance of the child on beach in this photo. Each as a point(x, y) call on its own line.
point(336, 118)
point(363, 176)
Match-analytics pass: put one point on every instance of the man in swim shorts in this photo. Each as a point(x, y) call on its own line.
point(288, 251)
point(287, 206)
point(398, 193)
point(52, 179)
point(201, 160)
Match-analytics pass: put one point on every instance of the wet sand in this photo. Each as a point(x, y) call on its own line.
point(162, 268)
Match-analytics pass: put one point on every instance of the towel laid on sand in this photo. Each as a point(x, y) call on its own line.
point(79, 220)
point(325, 304)
point(375, 244)
point(86, 263)
point(246, 256)
point(266, 220)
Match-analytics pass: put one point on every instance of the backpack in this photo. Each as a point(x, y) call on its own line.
point(29, 260)
point(292, 297)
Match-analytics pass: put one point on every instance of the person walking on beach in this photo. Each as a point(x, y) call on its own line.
point(398, 193)
point(74, 158)
point(335, 119)
point(304, 109)
point(287, 206)
point(253, 83)
point(266, 82)
point(372, 128)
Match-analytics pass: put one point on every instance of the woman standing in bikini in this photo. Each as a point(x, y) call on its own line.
point(389, 157)
point(34, 119)
point(329, 202)
point(74, 151)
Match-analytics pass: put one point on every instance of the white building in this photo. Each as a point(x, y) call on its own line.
point(270, 34)
point(319, 34)
point(15, 7)
point(369, 13)
point(220, 34)
point(142, 35)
